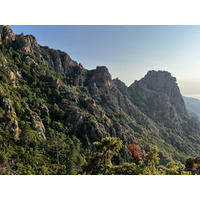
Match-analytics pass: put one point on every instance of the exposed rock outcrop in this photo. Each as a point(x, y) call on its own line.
point(36, 121)
point(158, 95)
point(99, 77)
point(13, 78)
point(6, 35)
point(121, 86)
point(45, 109)
point(30, 61)
point(11, 118)
point(27, 43)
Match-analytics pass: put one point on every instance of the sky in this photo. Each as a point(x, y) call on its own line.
point(129, 52)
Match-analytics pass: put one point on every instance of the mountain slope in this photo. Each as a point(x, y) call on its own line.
point(193, 106)
point(45, 93)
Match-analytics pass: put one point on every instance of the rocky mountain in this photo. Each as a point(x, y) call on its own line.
point(158, 95)
point(53, 94)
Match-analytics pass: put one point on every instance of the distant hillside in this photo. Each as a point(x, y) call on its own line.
point(193, 106)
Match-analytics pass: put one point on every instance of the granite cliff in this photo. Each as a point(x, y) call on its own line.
point(158, 95)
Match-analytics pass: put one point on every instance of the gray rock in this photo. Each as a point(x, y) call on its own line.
point(36, 121)
point(12, 124)
point(30, 61)
point(158, 95)
point(6, 35)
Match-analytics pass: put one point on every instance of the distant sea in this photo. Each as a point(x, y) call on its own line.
point(196, 96)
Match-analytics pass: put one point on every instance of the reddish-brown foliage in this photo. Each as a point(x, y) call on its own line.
point(136, 152)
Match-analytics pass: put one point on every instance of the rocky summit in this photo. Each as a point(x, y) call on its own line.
point(158, 93)
point(46, 96)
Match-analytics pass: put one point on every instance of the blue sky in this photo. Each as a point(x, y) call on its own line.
point(129, 51)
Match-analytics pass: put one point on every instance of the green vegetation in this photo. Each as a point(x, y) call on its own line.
point(101, 162)
point(61, 152)
point(45, 120)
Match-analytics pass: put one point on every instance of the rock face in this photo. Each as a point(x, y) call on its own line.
point(36, 121)
point(6, 35)
point(11, 118)
point(27, 44)
point(121, 86)
point(158, 95)
point(13, 78)
point(99, 77)
point(45, 109)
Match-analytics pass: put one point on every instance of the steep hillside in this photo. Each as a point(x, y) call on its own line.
point(50, 104)
point(193, 106)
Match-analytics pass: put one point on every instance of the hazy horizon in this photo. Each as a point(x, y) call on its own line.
point(129, 51)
